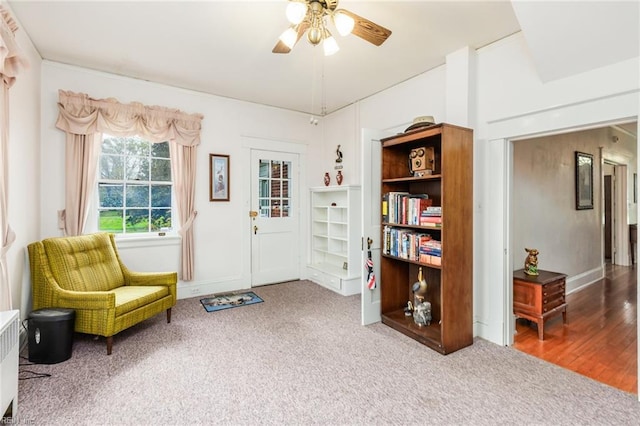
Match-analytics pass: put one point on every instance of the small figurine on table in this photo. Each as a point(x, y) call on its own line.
point(531, 262)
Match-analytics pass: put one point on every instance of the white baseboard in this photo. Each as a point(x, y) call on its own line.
point(578, 282)
point(489, 332)
point(190, 289)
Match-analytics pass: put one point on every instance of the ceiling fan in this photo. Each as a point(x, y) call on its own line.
point(310, 16)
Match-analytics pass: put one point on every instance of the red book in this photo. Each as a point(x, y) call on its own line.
point(431, 219)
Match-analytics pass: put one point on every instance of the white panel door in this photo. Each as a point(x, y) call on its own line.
point(275, 228)
point(371, 230)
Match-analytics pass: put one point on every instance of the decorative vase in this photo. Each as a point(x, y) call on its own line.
point(339, 177)
point(327, 179)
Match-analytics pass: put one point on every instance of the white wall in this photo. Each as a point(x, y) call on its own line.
point(543, 202)
point(507, 93)
point(24, 170)
point(395, 108)
point(221, 243)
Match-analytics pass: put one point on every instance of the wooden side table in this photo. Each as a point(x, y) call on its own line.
point(539, 297)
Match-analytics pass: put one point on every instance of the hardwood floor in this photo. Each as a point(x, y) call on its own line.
point(599, 339)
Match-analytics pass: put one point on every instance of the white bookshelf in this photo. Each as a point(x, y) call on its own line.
point(335, 238)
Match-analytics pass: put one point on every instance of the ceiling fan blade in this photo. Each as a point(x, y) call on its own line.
point(367, 30)
point(280, 47)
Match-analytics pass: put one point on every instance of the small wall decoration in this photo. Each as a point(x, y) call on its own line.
point(219, 188)
point(338, 156)
point(584, 181)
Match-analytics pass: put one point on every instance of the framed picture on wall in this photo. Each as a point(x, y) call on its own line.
point(218, 177)
point(584, 181)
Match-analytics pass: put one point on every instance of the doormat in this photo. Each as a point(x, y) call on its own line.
point(226, 301)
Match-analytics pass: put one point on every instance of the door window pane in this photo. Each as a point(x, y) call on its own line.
point(274, 188)
point(264, 169)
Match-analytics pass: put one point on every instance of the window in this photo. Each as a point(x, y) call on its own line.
point(134, 186)
point(273, 194)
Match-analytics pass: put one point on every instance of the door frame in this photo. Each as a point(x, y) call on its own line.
point(250, 143)
point(499, 134)
point(370, 221)
point(619, 212)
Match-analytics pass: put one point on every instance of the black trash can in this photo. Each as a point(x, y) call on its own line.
point(50, 335)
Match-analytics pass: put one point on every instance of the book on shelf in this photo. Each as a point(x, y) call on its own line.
point(409, 244)
point(434, 221)
point(432, 211)
point(431, 225)
point(385, 207)
point(403, 207)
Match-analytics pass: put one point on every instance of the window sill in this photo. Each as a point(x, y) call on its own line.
point(148, 241)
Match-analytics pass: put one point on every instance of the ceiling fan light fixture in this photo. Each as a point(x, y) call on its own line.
point(343, 22)
point(314, 35)
point(329, 45)
point(296, 11)
point(310, 18)
point(289, 37)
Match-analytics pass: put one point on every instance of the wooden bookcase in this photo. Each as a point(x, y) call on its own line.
point(450, 284)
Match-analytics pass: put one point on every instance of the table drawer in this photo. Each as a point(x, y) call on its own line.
point(551, 289)
point(551, 304)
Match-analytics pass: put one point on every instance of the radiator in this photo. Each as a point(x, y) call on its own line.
point(9, 348)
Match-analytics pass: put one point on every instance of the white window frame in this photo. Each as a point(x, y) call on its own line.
point(94, 216)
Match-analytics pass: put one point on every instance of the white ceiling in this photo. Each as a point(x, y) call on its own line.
point(224, 47)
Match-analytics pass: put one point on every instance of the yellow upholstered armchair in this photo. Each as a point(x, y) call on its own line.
point(85, 273)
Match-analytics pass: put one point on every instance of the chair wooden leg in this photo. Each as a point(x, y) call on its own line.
point(109, 344)
point(169, 315)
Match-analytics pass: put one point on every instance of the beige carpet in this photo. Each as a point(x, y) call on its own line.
point(301, 357)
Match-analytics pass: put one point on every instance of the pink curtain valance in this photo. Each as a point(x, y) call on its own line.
point(11, 58)
point(79, 114)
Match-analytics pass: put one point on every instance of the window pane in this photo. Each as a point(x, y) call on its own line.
point(275, 208)
point(275, 188)
point(264, 208)
point(137, 220)
point(112, 145)
point(160, 150)
point(111, 195)
point(160, 170)
point(137, 168)
point(110, 221)
point(137, 146)
point(264, 169)
point(111, 167)
point(263, 191)
point(275, 169)
point(137, 195)
point(160, 196)
point(127, 201)
point(160, 219)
